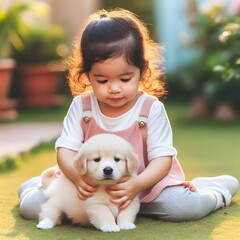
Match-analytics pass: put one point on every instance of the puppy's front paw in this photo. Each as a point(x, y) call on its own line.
point(127, 226)
point(110, 228)
point(46, 223)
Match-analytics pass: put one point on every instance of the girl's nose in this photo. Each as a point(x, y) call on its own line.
point(114, 88)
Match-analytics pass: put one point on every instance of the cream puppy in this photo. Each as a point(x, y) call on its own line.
point(105, 158)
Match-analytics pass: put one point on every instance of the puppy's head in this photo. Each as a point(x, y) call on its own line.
point(106, 158)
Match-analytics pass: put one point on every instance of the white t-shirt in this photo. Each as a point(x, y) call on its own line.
point(159, 137)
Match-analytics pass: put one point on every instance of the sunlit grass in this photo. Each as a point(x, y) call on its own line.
point(227, 229)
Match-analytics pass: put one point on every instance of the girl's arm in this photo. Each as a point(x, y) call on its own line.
point(65, 159)
point(129, 187)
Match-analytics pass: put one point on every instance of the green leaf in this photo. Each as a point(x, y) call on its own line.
point(219, 68)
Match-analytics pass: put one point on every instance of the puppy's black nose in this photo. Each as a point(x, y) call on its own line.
point(108, 170)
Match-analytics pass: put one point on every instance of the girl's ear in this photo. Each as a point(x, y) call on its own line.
point(87, 76)
point(87, 81)
point(81, 163)
point(145, 68)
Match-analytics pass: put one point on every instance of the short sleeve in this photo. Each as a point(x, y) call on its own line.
point(72, 136)
point(159, 138)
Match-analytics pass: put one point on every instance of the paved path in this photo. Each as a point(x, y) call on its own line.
point(19, 137)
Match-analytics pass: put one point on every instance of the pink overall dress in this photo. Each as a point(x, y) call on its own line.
point(137, 136)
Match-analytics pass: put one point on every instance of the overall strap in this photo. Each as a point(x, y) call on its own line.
point(146, 107)
point(87, 107)
point(86, 102)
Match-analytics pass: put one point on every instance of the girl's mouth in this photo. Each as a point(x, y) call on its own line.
point(116, 99)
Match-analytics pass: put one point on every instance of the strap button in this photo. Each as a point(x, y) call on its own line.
point(86, 119)
point(142, 124)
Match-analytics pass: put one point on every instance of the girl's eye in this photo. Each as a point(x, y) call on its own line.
point(125, 79)
point(97, 159)
point(102, 81)
point(116, 159)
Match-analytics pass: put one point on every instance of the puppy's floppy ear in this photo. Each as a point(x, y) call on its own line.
point(132, 162)
point(80, 163)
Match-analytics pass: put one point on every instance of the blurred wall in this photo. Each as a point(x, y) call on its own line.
point(174, 31)
point(70, 14)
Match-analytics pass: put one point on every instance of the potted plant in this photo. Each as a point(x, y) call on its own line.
point(13, 30)
point(9, 36)
point(40, 69)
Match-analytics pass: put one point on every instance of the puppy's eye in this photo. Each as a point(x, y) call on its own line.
point(116, 159)
point(97, 159)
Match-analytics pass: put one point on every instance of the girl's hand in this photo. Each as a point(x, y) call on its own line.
point(124, 191)
point(85, 187)
point(190, 186)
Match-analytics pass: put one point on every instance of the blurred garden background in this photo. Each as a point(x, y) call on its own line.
point(201, 40)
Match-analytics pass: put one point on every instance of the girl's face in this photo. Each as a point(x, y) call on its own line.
point(115, 85)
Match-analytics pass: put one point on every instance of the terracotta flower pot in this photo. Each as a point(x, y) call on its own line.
point(39, 84)
point(7, 106)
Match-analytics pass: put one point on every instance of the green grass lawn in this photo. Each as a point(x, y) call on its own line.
point(204, 148)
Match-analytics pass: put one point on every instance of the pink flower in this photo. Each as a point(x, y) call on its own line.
point(235, 7)
point(225, 36)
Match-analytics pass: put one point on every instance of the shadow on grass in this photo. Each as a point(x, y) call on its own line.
point(147, 228)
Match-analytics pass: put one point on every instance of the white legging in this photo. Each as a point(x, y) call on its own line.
point(175, 203)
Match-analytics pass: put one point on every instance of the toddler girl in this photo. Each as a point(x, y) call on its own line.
point(114, 74)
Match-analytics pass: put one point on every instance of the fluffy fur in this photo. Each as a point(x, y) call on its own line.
point(105, 158)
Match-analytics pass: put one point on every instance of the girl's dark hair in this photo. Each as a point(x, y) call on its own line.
point(107, 38)
point(111, 34)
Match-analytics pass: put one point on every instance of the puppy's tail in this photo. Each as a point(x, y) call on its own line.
point(49, 175)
